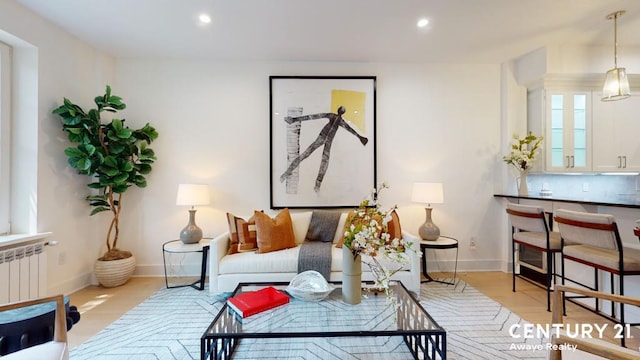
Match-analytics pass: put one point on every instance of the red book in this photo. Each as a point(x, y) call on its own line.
point(253, 302)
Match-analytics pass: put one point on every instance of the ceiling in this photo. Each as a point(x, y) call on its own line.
point(462, 31)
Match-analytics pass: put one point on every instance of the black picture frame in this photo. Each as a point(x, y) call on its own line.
point(322, 140)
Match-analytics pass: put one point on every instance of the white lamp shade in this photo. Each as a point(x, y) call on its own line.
point(193, 194)
point(428, 193)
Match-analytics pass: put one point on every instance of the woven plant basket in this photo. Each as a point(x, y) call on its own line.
point(114, 272)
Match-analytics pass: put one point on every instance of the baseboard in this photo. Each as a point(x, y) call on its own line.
point(480, 265)
point(71, 285)
point(80, 282)
point(191, 269)
point(149, 270)
point(463, 265)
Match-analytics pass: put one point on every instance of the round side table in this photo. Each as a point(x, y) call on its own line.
point(177, 246)
point(442, 243)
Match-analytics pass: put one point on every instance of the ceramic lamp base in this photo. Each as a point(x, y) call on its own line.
point(191, 234)
point(429, 230)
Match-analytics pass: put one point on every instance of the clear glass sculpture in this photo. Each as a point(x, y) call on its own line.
point(309, 286)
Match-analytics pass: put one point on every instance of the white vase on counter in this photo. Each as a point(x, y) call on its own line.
point(523, 189)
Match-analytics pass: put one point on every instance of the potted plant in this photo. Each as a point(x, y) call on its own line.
point(115, 157)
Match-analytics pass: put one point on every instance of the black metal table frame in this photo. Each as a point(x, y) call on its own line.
point(424, 246)
point(418, 341)
point(203, 268)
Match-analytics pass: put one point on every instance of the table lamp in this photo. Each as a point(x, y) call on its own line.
point(192, 195)
point(429, 193)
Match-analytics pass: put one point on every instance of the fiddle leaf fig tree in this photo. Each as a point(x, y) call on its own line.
point(113, 155)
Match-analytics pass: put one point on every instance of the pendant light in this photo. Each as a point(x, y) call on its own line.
point(616, 83)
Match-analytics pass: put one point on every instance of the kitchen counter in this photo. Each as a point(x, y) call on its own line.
point(620, 201)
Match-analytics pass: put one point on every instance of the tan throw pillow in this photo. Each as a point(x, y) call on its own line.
point(347, 223)
point(394, 226)
point(274, 234)
point(242, 234)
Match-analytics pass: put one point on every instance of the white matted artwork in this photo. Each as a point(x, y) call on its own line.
point(323, 140)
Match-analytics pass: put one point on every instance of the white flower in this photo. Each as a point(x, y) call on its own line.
point(368, 234)
point(523, 151)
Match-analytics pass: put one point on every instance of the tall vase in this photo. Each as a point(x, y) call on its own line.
point(351, 277)
point(523, 189)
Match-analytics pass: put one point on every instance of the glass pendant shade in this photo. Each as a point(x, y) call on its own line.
point(616, 85)
point(616, 82)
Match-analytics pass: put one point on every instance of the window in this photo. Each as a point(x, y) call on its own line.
point(5, 135)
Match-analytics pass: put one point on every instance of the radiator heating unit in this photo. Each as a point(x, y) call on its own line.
point(23, 272)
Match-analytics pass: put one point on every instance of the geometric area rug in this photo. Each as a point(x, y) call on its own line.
point(168, 325)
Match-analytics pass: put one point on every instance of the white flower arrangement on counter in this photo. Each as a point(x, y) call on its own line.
point(523, 151)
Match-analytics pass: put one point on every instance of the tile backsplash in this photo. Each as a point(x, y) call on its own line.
point(596, 186)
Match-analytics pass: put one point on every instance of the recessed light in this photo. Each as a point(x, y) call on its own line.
point(204, 18)
point(423, 22)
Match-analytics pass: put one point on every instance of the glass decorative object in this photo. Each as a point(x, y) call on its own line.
point(309, 286)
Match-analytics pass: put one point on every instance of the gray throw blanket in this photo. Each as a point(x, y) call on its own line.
point(315, 252)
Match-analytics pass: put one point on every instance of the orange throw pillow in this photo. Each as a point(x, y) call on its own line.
point(394, 226)
point(274, 234)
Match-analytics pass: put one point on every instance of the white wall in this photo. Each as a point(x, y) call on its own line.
point(46, 194)
point(435, 122)
point(573, 59)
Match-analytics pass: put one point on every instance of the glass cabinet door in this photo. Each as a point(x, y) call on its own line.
point(557, 131)
point(568, 139)
point(579, 129)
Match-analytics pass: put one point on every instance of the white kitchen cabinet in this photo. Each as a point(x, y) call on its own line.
point(616, 125)
point(583, 134)
point(567, 131)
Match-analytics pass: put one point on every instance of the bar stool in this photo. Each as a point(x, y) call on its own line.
point(593, 240)
point(529, 228)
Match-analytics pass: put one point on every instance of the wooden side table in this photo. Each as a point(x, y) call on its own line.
point(177, 246)
point(443, 242)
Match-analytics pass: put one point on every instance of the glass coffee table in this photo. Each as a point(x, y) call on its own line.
point(331, 317)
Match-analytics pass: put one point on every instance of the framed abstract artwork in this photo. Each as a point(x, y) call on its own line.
point(323, 140)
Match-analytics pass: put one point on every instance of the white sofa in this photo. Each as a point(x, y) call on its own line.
point(226, 271)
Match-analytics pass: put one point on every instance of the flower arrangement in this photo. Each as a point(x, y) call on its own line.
point(368, 234)
point(523, 151)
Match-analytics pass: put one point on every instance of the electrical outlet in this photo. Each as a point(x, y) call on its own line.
point(62, 258)
point(472, 243)
point(585, 187)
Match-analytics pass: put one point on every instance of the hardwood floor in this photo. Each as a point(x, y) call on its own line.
point(101, 306)
point(530, 302)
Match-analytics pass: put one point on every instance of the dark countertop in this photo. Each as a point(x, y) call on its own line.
point(625, 201)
